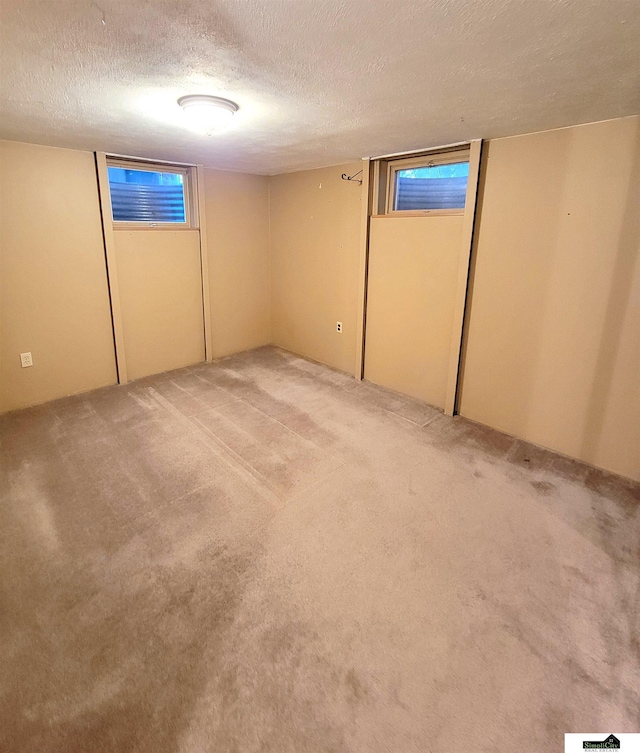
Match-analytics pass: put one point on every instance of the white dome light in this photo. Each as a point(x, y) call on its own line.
point(207, 113)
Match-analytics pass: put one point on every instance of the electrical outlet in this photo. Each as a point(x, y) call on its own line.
point(26, 360)
point(338, 326)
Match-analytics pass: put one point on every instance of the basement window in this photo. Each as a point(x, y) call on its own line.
point(148, 195)
point(435, 184)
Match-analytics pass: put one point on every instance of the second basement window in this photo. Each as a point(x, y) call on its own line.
point(154, 195)
point(434, 184)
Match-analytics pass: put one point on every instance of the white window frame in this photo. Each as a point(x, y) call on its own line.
point(428, 160)
point(158, 167)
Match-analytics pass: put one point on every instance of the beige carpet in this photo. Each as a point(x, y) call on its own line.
point(264, 555)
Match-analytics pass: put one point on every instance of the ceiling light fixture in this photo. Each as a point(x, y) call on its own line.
point(207, 113)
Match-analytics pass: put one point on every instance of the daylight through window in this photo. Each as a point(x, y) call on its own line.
point(147, 196)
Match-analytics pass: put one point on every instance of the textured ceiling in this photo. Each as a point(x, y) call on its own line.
point(318, 81)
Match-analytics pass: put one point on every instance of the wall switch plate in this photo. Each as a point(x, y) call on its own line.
point(26, 360)
point(338, 326)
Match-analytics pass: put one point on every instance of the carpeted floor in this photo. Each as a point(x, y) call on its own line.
point(262, 554)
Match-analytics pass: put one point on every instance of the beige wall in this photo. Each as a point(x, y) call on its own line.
point(413, 275)
point(53, 286)
point(315, 231)
point(552, 349)
point(553, 339)
point(160, 283)
point(237, 218)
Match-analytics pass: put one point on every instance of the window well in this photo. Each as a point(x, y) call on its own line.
point(432, 187)
point(147, 196)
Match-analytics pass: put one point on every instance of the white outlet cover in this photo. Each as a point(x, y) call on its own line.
point(26, 359)
point(338, 326)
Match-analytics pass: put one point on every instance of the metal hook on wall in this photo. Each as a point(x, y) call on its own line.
point(353, 177)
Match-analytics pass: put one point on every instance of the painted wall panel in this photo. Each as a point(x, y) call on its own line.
point(237, 214)
point(315, 231)
point(54, 299)
point(552, 350)
point(413, 272)
point(160, 299)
